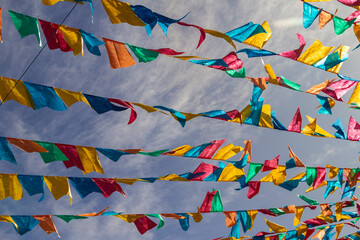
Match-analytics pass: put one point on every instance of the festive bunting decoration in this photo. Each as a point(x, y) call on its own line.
point(87, 160)
point(255, 114)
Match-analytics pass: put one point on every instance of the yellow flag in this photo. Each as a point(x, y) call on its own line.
point(338, 211)
point(338, 229)
point(10, 187)
point(279, 175)
point(9, 220)
point(333, 172)
point(70, 97)
point(120, 12)
point(265, 117)
point(89, 159)
point(227, 152)
point(271, 73)
point(275, 227)
point(260, 39)
point(129, 218)
point(252, 214)
point(173, 177)
point(315, 53)
point(196, 216)
point(355, 97)
point(231, 173)
point(18, 93)
point(58, 186)
point(298, 214)
point(179, 151)
point(73, 38)
point(221, 35)
point(342, 50)
point(312, 129)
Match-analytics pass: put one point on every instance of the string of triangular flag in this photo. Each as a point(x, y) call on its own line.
point(211, 204)
point(86, 158)
point(69, 39)
point(256, 113)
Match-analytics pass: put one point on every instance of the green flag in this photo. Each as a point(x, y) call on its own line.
point(216, 204)
point(340, 25)
point(308, 200)
point(311, 174)
point(235, 74)
point(254, 168)
point(53, 154)
point(68, 218)
point(25, 25)
point(143, 54)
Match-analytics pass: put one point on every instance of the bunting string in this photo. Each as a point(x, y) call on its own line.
point(70, 39)
point(86, 158)
point(256, 113)
point(211, 204)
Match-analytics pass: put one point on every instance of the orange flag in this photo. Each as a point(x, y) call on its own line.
point(26, 145)
point(119, 56)
point(325, 17)
point(46, 223)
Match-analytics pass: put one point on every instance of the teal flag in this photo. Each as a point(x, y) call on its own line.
point(25, 25)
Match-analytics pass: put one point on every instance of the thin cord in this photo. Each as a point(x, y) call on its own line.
point(37, 55)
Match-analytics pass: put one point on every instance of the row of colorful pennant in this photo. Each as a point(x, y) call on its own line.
point(310, 13)
point(70, 39)
point(257, 114)
point(25, 223)
point(86, 158)
point(212, 203)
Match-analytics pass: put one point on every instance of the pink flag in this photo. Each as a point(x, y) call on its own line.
point(72, 154)
point(206, 205)
point(353, 130)
point(270, 164)
point(167, 51)
point(144, 224)
point(295, 125)
point(209, 151)
point(133, 114)
point(321, 173)
point(254, 188)
point(202, 32)
point(108, 186)
point(295, 54)
point(203, 170)
point(341, 87)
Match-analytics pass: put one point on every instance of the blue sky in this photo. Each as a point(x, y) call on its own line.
point(173, 83)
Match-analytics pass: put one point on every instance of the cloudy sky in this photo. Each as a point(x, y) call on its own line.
point(176, 84)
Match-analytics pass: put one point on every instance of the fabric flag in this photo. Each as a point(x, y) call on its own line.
point(244, 32)
point(46, 223)
point(58, 186)
point(24, 223)
point(340, 25)
point(108, 186)
point(143, 54)
point(325, 105)
point(84, 186)
point(355, 97)
point(254, 168)
point(10, 186)
point(260, 39)
point(353, 130)
point(210, 150)
point(53, 36)
point(212, 202)
point(91, 42)
point(295, 54)
point(311, 174)
point(254, 188)
point(310, 13)
point(71, 153)
point(324, 18)
point(341, 87)
point(53, 153)
point(1, 37)
point(230, 218)
point(320, 178)
point(28, 146)
point(144, 224)
point(119, 56)
point(32, 184)
point(44, 96)
point(101, 104)
point(25, 25)
point(275, 227)
point(298, 162)
point(120, 12)
point(247, 219)
point(5, 151)
point(295, 125)
point(73, 38)
point(314, 53)
point(70, 97)
point(18, 93)
point(270, 164)
point(89, 159)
